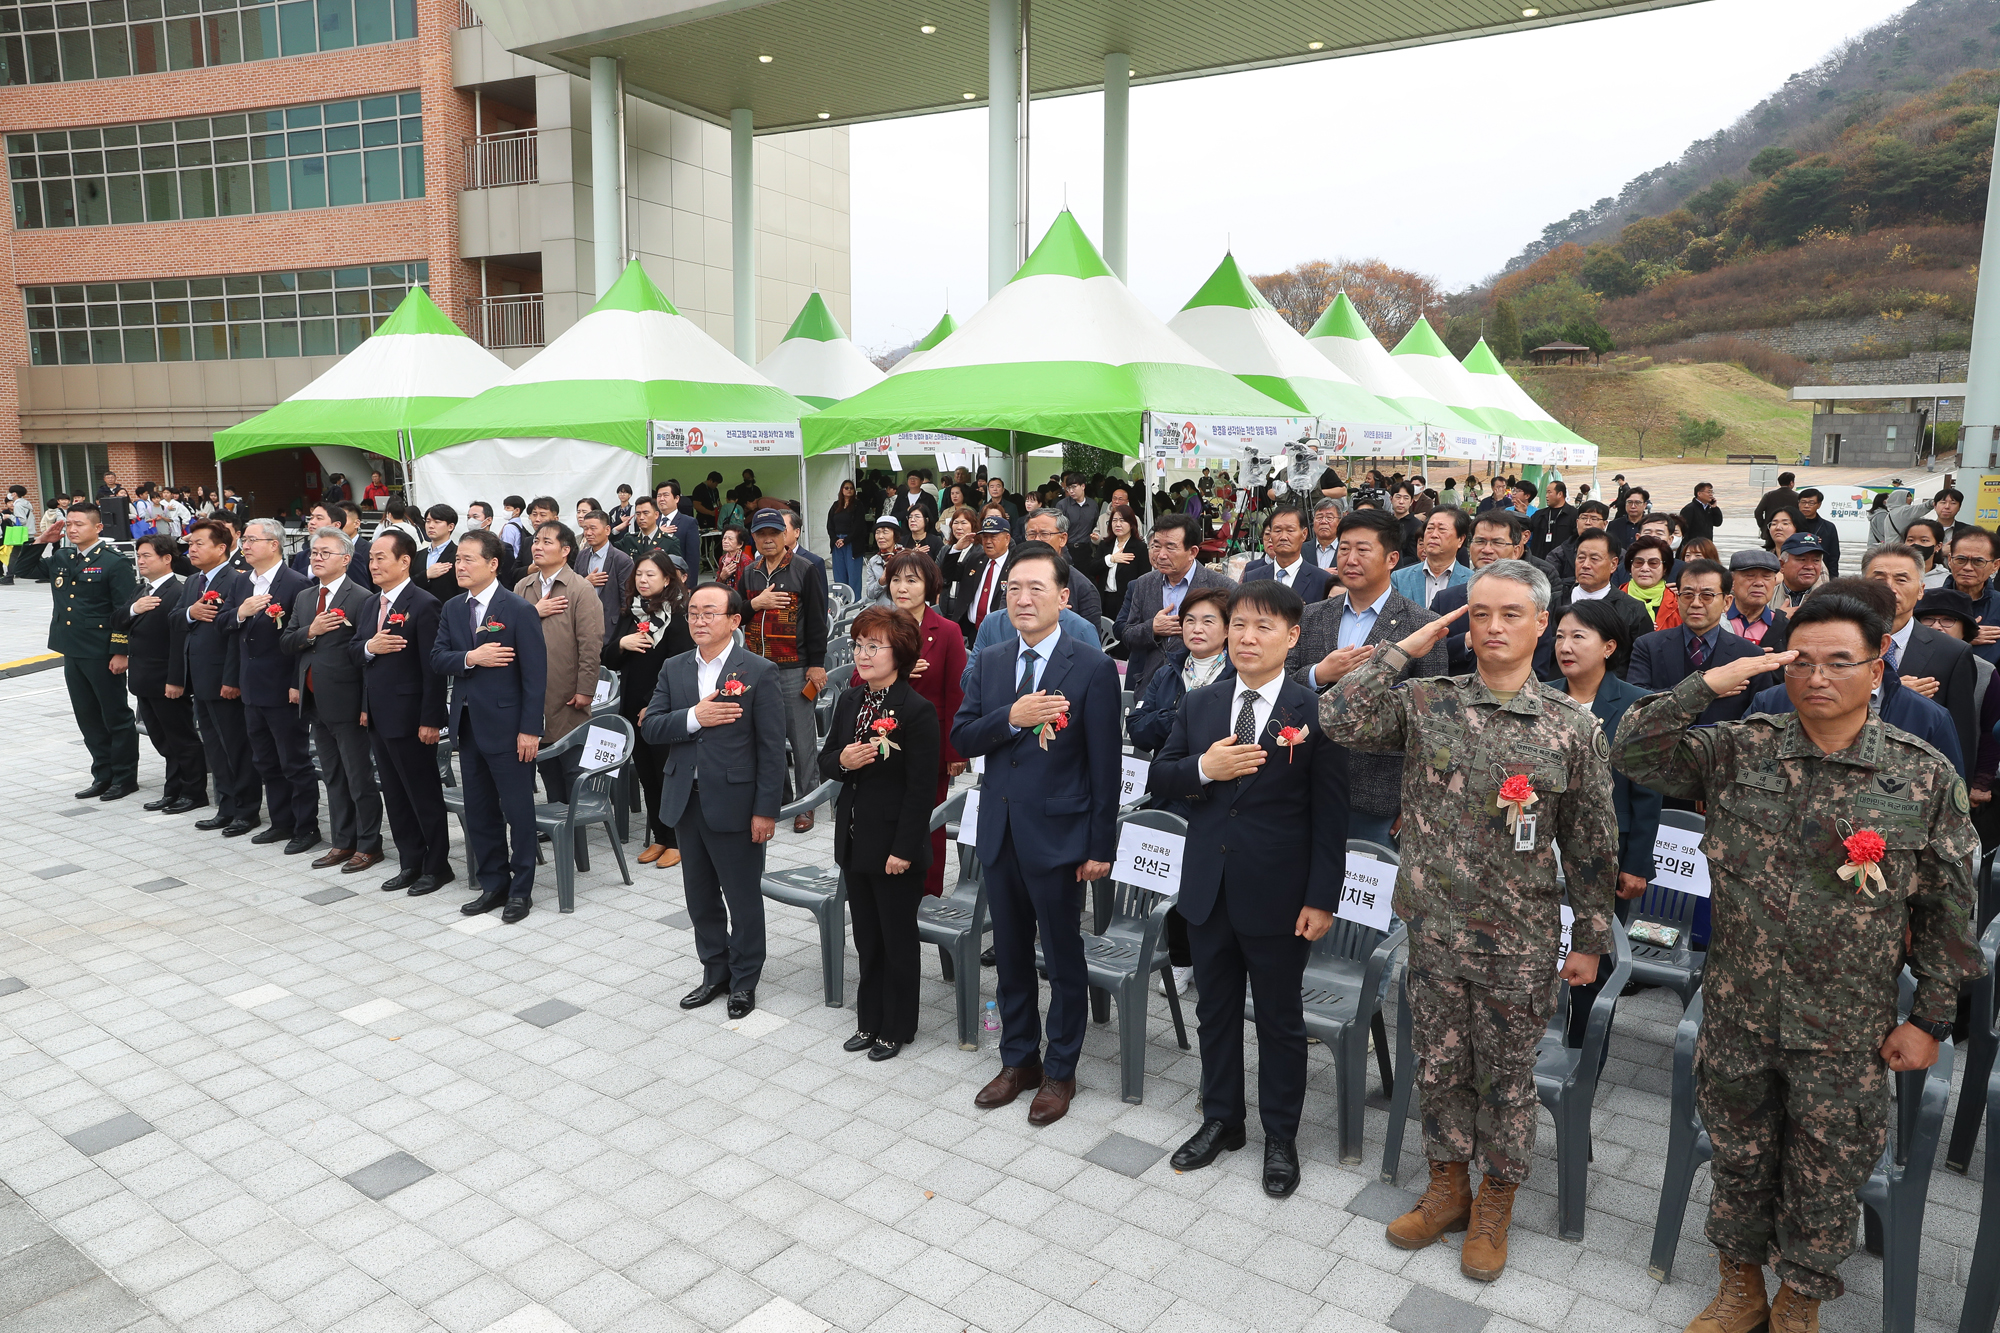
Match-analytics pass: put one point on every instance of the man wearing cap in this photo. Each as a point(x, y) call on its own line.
point(787, 627)
point(1972, 564)
point(1801, 564)
point(996, 535)
point(1753, 577)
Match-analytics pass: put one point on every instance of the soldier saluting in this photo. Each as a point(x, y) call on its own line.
point(1830, 835)
point(91, 582)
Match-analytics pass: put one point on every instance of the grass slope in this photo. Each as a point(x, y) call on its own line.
point(1609, 404)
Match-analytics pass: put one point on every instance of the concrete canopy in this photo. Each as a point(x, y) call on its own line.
point(841, 61)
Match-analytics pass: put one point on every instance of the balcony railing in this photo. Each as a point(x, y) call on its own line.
point(507, 321)
point(501, 159)
point(466, 18)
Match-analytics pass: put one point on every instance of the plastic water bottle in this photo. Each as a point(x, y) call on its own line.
point(989, 1021)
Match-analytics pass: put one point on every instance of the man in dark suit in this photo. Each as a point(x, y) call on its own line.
point(1051, 527)
point(490, 641)
point(1935, 665)
point(323, 619)
point(683, 528)
point(1152, 606)
point(1664, 658)
point(1283, 561)
point(1260, 777)
point(1046, 719)
point(436, 567)
point(1595, 563)
point(720, 713)
point(255, 618)
point(403, 708)
point(156, 639)
point(210, 671)
point(605, 567)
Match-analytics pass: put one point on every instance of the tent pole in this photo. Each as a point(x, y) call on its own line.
point(805, 531)
point(743, 234)
point(606, 153)
point(1003, 121)
point(1117, 158)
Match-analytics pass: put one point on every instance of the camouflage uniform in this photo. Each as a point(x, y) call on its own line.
point(1800, 986)
point(1485, 920)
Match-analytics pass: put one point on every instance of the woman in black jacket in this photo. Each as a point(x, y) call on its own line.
point(652, 629)
point(846, 525)
point(883, 750)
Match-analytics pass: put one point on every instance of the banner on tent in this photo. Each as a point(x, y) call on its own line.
point(919, 442)
point(1337, 441)
point(1447, 442)
point(1176, 438)
point(694, 439)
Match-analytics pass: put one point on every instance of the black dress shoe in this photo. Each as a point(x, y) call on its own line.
point(158, 805)
point(986, 958)
point(860, 1041)
point(430, 884)
point(180, 805)
point(238, 827)
point(95, 789)
point(1213, 1139)
point(401, 880)
point(118, 791)
point(1281, 1167)
point(517, 910)
point(705, 993)
point(214, 822)
point(885, 1050)
point(303, 842)
point(484, 903)
point(271, 835)
point(741, 1002)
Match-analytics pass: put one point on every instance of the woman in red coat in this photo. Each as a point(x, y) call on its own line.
point(913, 582)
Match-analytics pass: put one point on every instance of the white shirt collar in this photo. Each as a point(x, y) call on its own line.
point(1041, 650)
point(153, 585)
point(1902, 640)
point(1577, 594)
point(1298, 562)
point(333, 588)
point(389, 595)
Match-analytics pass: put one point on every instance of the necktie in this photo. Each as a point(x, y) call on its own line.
point(1246, 719)
point(382, 615)
point(1285, 577)
point(1697, 652)
point(318, 611)
point(1892, 654)
point(985, 591)
point(1026, 685)
point(473, 604)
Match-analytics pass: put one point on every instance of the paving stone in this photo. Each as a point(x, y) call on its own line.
point(1381, 1202)
point(327, 897)
point(374, 1011)
point(548, 1013)
point(531, 1319)
point(159, 885)
point(257, 995)
point(780, 1316)
point(108, 1134)
point(1125, 1155)
point(379, 1179)
point(58, 871)
point(8, 985)
point(678, 920)
point(97, 1305)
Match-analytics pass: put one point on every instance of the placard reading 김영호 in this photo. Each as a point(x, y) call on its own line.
point(1369, 893)
point(1150, 859)
point(1678, 862)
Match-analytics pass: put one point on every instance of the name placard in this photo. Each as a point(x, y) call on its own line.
point(1678, 862)
point(1150, 859)
point(1369, 894)
point(603, 748)
point(968, 822)
point(1132, 773)
point(1569, 924)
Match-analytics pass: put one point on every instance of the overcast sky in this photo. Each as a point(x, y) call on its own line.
point(1445, 159)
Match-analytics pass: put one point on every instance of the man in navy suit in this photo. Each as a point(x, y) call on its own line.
point(209, 670)
point(1284, 536)
point(1266, 858)
point(403, 707)
point(1045, 717)
point(683, 528)
point(280, 746)
point(491, 641)
point(1664, 658)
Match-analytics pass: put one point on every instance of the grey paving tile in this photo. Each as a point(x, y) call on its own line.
point(1126, 1155)
point(1428, 1311)
point(378, 1180)
point(58, 871)
point(159, 885)
point(1381, 1202)
point(8, 985)
point(35, 1274)
point(332, 895)
point(548, 1013)
point(98, 1305)
point(678, 920)
point(108, 1134)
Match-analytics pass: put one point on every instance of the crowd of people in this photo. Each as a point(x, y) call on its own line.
point(1475, 684)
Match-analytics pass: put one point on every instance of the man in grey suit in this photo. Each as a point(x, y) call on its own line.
point(1151, 614)
point(719, 712)
point(608, 569)
point(1339, 634)
point(326, 683)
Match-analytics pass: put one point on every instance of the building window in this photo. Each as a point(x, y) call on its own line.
point(364, 151)
point(317, 312)
point(104, 39)
point(70, 469)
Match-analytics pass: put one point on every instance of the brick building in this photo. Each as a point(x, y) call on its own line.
point(210, 207)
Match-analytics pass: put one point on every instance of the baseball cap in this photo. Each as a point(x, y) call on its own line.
point(1804, 543)
point(766, 519)
point(1752, 560)
point(995, 523)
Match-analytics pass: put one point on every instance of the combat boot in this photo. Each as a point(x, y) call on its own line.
point(1740, 1305)
point(1445, 1206)
point(1793, 1313)
point(1484, 1257)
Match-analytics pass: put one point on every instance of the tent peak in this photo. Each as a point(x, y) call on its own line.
point(816, 322)
point(1341, 320)
point(1228, 287)
point(1422, 340)
point(944, 328)
point(1481, 361)
point(417, 313)
point(1065, 252)
point(634, 290)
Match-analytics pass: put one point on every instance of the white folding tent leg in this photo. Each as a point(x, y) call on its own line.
point(1003, 76)
point(743, 235)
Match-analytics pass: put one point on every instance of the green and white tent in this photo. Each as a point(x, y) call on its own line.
point(1343, 337)
point(632, 378)
point(1423, 355)
point(944, 328)
point(1556, 443)
point(1062, 352)
point(417, 365)
point(1231, 323)
point(817, 362)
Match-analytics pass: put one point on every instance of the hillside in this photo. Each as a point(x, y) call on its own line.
point(1629, 406)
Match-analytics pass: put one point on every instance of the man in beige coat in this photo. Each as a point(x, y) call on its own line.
point(573, 630)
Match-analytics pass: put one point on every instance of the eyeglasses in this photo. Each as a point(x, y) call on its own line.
point(869, 648)
point(703, 617)
point(1701, 598)
point(1832, 670)
point(1968, 561)
point(1491, 543)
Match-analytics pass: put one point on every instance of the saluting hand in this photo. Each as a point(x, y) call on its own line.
point(1733, 678)
point(552, 606)
point(1431, 635)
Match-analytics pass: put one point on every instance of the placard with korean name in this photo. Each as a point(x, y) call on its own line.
point(1368, 896)
point(1569, 925)
point(1678, 862)
point(602, 694)
point(1132, 772)
point(968, 822)
point(1150, 859)
point(603, 748)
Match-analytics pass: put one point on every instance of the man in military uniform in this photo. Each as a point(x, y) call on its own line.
point(91, 582)
point(1800, 989)
point(1496, 773)
point(647, 533)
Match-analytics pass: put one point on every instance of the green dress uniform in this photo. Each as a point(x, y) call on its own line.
point(89, 586)
point(636, 543)
point(1800, 987)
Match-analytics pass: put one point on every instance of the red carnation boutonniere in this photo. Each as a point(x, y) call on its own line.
point(733, 687)
point(1290, 737)
point(1865, 849)
point(211, 597)
point(395, 618)
point(276, 611)
point(882, 726)
point(1516, 795)
point(1045, 730)
point(645, 627)
point(491, 627)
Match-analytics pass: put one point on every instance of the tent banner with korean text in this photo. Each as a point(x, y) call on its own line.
point(1336, 441)
point(696, 439)
point(919, 442)
point(1176, 440)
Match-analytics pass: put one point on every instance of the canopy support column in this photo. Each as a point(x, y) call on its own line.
point(743, 233)
point(1003, 24)
point(1980, 432)
point(1117, 158)
point(607, 153)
